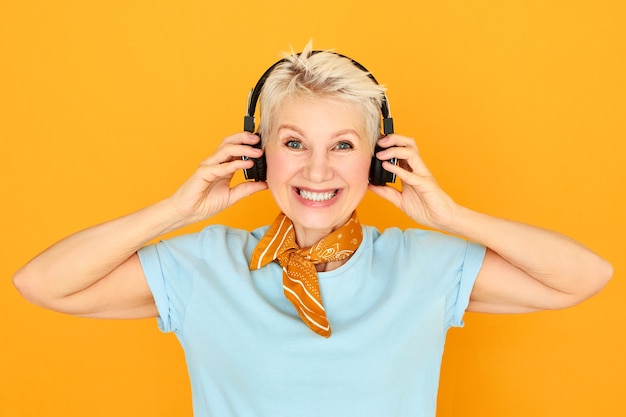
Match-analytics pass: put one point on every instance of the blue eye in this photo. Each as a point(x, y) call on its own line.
point(293, 144)
point(344, 145)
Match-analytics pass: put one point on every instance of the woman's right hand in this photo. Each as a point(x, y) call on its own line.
point(208, 191)
point(96, 272)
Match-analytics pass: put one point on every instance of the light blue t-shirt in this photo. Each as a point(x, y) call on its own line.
point(249, 354)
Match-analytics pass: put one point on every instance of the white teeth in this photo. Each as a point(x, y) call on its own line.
point(308, 195)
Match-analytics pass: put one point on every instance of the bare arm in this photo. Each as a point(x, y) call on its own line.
point(96, 272)
point(525, 269)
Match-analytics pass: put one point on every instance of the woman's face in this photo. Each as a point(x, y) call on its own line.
point(318, 159)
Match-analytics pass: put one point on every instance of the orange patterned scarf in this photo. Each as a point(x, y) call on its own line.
point(300, 282)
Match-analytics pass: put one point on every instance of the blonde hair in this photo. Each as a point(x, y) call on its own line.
point(321, 74)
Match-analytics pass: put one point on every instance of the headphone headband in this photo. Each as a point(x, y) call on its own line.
point(253, 96)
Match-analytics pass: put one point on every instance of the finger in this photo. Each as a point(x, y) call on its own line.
point(231, 151)
point(408, 177)
point(213, 172)
point(246, 189)
point(403, 174)
point(409, 158)
point(397, 140)
point(386, 192)
point(396, 152)
point(241, 137)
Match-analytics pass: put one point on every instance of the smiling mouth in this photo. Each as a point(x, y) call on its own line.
point(317, 197)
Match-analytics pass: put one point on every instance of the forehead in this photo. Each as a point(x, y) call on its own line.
point(319, 113)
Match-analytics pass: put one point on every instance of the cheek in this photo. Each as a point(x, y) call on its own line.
point(359, 171)
point(277, 168)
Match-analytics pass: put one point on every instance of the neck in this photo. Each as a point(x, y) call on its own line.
point(329, 266)
point(308, 238)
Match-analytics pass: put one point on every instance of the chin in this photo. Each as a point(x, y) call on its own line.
point(318, 211)
point(324, 220)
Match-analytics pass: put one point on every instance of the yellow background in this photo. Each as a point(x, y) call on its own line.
point(518, 108)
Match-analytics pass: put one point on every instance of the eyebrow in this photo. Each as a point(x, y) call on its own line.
point(300, 132)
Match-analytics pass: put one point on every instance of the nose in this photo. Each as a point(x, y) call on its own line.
point(318, 167)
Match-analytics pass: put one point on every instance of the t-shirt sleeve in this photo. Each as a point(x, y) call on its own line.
point(472, 262)
point(446, 268)
point(174, 267)
point(169, 269)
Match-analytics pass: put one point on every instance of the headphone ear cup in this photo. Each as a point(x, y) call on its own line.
point(376, 168)
point(258, 171)
point(260, 167)
point(379, 175)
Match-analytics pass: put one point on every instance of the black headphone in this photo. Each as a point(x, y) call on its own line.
point(377, 176)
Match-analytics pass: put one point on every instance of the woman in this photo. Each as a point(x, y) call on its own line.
point(316, 314)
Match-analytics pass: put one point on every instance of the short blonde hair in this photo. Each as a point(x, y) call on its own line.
point(321, 74)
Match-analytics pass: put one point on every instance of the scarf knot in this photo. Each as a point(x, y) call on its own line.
point(300, 281)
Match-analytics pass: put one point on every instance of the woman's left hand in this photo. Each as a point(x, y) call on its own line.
point(420, 198)
point(525, 268)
